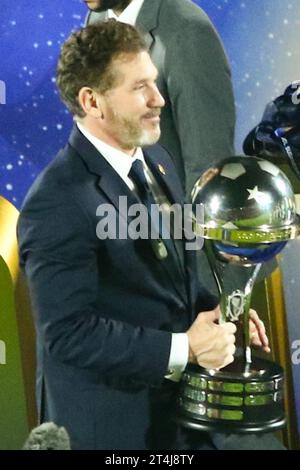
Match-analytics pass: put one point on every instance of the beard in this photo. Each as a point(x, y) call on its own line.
point(130, 133)
point(104, 5)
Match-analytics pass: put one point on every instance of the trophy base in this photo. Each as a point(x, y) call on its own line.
point(241, 398)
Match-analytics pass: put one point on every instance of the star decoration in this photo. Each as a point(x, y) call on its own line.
point(255, 194)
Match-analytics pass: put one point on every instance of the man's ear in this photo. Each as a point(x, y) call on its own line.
point(90, 102)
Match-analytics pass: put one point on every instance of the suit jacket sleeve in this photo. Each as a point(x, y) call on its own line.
point(58, 251)
point(200, 91)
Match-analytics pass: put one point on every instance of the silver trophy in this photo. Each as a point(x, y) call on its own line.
point(249, 214)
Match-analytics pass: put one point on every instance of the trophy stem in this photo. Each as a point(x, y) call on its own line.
point(234, 304)
point(248, 294)
point(212, 263)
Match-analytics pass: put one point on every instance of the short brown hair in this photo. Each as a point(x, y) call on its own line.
point(86, 58)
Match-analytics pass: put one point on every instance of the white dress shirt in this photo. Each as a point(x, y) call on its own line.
point(121, 163)
point(130, 14)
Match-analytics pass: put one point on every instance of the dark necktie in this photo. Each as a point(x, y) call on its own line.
point(137, 175)
point(162, 245)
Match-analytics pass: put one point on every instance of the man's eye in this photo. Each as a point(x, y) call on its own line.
point(139, 87)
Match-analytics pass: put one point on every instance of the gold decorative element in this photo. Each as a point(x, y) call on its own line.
point(17, 330)
point(279, 339)
point(228, 387)
point(225, 400)
point(251, 235)
point(194, 394)
point(195, 381)
point(8, 237)
point(229, 415)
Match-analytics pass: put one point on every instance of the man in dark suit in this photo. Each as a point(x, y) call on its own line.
point(117, 317)
point(198, 120)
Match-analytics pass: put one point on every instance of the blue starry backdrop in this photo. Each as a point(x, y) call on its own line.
point(261, 38)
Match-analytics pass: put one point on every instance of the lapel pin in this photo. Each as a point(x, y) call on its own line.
point(161, 169)
point(160, 249)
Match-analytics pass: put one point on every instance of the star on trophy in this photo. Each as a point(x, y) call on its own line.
point(248, 216)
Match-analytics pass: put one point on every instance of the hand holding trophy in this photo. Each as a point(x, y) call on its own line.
point(249, 214)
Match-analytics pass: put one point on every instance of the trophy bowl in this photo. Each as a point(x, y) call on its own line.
point(248, 214)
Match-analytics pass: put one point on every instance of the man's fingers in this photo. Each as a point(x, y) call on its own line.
point(257, 331)
point(228, 360)
point(211, 315)
point(229, 327)
point(231, 349)
point(259, 338)
point(253, 315)
point(257, 323)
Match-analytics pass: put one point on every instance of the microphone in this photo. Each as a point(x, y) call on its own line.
point(48, 436)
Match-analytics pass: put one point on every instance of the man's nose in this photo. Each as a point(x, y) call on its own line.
point(156, 100)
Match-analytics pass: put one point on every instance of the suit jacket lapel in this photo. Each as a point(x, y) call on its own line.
point(147, 19)
point(165, 179)
point(174, 193)
point(109, 181)
point(93, 17)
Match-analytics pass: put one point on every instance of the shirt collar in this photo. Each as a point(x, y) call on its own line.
point(120, 161)
point(130, 14)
